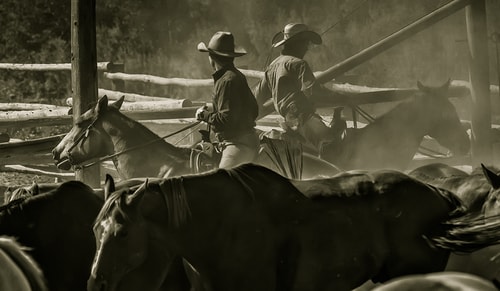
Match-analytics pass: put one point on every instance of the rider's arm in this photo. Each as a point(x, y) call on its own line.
point(264, 98)
point(221, 116)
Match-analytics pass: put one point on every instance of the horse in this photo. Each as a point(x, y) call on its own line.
point(281, 234)
point(57, 227)
point(12, 193)
point(138, 152)
point(19, 272)
point(444, 281)
point(478, 193)
point(391, 140)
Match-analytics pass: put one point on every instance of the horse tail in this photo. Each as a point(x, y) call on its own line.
point(29, 267)
point(286, 156)
point(468, 233)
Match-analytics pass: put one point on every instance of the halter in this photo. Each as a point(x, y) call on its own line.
point(85, 133)
point(82, 135)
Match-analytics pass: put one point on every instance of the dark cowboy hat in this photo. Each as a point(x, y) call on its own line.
point(222, 44)
point(296, 31)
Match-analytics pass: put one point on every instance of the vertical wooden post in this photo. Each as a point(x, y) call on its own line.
point(84, 70)
point(480, 82)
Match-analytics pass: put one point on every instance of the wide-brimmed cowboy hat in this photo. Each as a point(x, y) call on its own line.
point(295, 31)
point(222, 44)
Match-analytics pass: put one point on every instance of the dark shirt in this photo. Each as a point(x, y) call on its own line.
point(235, 107)
point(287, 80)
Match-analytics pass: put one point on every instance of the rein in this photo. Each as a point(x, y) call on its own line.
point(108, 157)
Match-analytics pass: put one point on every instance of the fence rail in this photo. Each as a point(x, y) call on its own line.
point(101, 66)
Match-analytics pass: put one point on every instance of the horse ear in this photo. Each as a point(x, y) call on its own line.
point(102, 104)
point(134, 199)
point(34, 189)
point(109, 186)
point(118, 103)
point(493, 178)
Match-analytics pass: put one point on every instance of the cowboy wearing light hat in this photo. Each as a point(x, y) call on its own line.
point(290, 82)
point(234, 106)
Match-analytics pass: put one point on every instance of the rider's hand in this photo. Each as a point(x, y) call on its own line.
point(202, 113)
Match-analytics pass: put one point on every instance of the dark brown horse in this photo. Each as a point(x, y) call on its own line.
point(391, 140)
point(104, 130)
point(250, 228)
point(57, 227)
point(479, 193)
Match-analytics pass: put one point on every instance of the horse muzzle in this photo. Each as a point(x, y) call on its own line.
point(64, 164)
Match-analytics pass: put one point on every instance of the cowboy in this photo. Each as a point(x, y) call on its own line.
point(234, 106)
point(289, 81)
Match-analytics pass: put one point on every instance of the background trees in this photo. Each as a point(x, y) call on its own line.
point(159, 37)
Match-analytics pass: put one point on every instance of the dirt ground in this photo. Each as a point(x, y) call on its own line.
point(15, 179)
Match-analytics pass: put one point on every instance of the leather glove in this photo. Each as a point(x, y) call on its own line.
point(202, 113)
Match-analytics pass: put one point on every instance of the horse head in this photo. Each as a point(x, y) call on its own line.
point(89, 138)
point(123, 260)
point(444, 123)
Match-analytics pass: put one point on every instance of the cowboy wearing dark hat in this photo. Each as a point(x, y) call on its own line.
point(234, 106)
point(290, 83)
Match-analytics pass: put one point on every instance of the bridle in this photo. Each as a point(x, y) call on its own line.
point(82, 135)
point(85, 133)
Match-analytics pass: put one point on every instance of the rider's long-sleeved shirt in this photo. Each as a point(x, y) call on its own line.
point(235, 107)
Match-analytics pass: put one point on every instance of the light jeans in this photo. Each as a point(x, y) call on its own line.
point(240, 150)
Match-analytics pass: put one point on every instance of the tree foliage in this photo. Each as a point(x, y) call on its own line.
point(159, 37)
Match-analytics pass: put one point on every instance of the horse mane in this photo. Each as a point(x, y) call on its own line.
point(177, 204)
point(114, 198)
point(28, 266)
point(344, 185)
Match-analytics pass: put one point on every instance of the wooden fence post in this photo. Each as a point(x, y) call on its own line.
point(480, 82)
point(84, 71)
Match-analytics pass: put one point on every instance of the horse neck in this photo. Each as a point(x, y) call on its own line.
point(149, 156)
point(408, 119)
